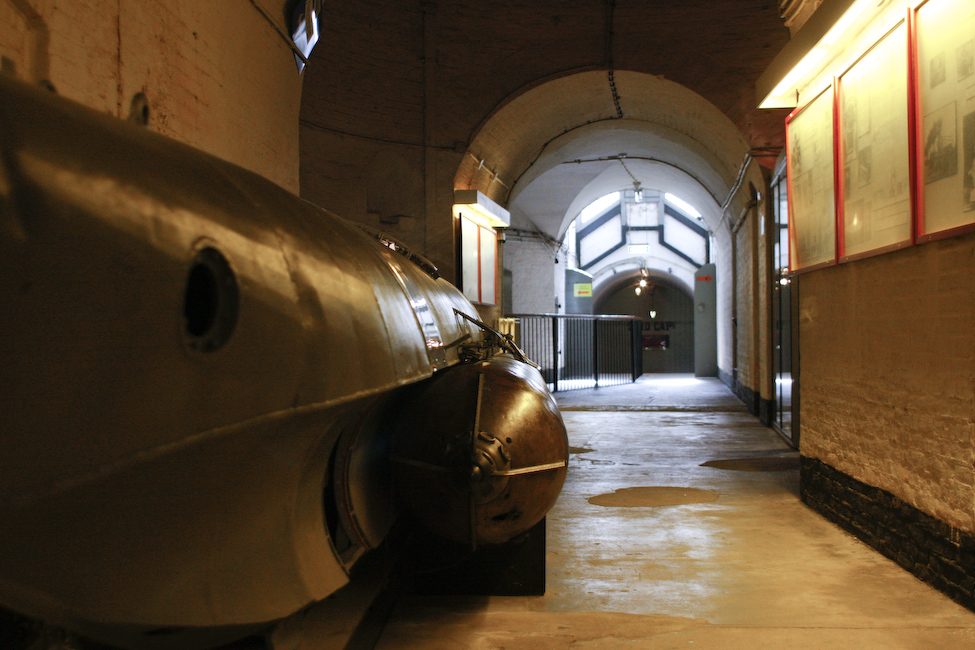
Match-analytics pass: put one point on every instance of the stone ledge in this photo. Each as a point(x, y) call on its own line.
point(938, 554)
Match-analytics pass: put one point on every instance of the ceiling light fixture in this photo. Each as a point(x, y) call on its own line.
point(637, 190)
point(480, 209)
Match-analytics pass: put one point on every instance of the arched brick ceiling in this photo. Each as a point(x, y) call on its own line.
point(382, 65)
point(673, 138)
point(430, 79)
point(609, 283)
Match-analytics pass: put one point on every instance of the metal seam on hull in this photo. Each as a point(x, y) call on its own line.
point(422, 465)
point(474, 433)
point(201, 437)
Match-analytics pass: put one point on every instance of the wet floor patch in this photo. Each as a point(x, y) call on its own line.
point(766, 464)
point(620, 408)
point(650, 497)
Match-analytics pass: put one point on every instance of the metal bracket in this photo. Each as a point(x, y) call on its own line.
point(491, 344)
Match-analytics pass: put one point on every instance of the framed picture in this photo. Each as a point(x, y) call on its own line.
point(945, 108)
point(874, 208)
point(810, 149)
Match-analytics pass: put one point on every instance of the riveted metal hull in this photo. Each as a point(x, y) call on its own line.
point(488, 464)
point(183, 343)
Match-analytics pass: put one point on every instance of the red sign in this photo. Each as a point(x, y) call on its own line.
point(705, 278)
point(656, 341)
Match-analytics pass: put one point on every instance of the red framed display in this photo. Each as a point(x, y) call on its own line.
point(944, 60)
point(810, 136)
point(874, 176)
point(478, 262)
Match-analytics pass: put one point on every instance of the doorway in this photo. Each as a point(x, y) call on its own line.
point(785, 339)
point(667, 315)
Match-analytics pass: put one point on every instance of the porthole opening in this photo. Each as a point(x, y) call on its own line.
point(210, 301)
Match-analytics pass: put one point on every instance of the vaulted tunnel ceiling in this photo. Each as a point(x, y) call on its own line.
point(561, 142)
point(520, 88)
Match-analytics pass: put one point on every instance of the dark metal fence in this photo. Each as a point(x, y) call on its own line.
point(576, 351)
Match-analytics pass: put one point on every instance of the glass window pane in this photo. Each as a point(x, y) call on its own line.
point(946, 112)
point(875, 158)
point(488, 266)
point(809, 136)
point(468, 254)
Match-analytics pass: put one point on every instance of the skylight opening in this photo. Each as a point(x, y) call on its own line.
point(682, 205)
point(599, 206)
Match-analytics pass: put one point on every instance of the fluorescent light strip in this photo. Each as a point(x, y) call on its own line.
point(814, 56)
point(843, 23)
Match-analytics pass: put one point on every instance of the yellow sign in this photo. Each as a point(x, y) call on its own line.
point(583, 290)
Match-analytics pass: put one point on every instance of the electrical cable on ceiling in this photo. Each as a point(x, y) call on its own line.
point(419, 145)
point(520, 234)
point(480, 165)
point(700, 182)
point(620, 157)
point(616, 97)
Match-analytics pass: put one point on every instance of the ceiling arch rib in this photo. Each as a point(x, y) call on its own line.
point(555, 198)
point(625, 275)
point(531, 141)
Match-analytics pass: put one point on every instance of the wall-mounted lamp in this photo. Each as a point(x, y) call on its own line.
point(827, 32)
point(838, 29)
point(480, 209)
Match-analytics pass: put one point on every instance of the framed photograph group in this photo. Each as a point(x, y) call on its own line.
point(812, 231)
point(885, 156)
point(874, 144)
point(945, 60)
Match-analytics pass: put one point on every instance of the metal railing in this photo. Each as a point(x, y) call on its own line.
point(576, 351)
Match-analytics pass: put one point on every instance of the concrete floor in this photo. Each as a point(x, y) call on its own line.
point(721, 556)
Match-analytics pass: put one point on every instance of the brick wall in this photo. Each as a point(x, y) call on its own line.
point(744, 274)
point(887, 383)
point(721, 254)
point(216, 74)
point(932, 550)
point(533, 273)
point(741, 253)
